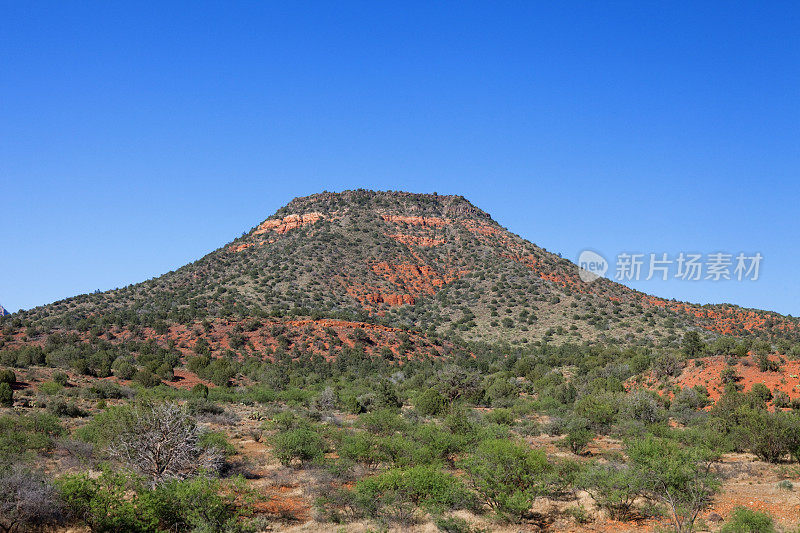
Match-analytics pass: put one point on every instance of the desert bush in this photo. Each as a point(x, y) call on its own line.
point(500, 416)
point(507, 476)
point(744, 520)
point(298, 446)
point(160, 441)
point(666, 364)
point(220, 372)
point(765, 364)
point(101, 502)
point(23, 435)
point(455, 524)
point(200, 390)
point(430, 402)
point(50, 387)
point(61, 407)
point(146, 378)
point(686, 403)
point(578, 436)
point(327, 400)
point(677, 476)
point(770, 435)
point(359, 447)
point(425, 486)
point(199, 504)
point(28, 501)
point(642, 406)
point(123, 368)
point(693, 345)
point(383, 422)
point(614, 487)
point(6, 395)
point(8, 376)
point(436, 444)
point(107, 390)
point(599, 409)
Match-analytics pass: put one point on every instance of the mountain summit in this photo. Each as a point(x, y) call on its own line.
point(424, 262)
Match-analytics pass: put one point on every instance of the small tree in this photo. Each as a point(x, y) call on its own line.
point(161, 442)
point(679, 477)
point(508, 476)
point(578, 436)
point(771, 436)
point(693, 345)
point(615, 487)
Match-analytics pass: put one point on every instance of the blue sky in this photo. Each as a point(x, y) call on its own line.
point(137, 137)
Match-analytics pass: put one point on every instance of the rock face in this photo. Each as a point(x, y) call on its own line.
point(289, 222)
point(3, 311)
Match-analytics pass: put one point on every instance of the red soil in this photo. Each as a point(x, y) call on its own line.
point(726, 320)
point(708, 375)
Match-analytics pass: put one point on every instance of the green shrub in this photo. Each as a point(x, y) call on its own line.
point(508, 476)
point(107, 390)
point(50, 387)
point(8, 376)
point(200, 390)
point(770, 435)
point(198, 504)
point(500, 392)
point(21, 435)
point(298, 444)
point(61, 378)
point(61, 407)
point(359, 447)
point(599, 409)
point(614, 487)
point(146, 378)
point(383, 422)
point(679, 477)
point(219, 372)
point(438, 444)
point(455, 524)
point(578, 438)
point(101, 503)
point(216, 440)
point(501, 416)
point(424, 486)
point(744, 520)
point(430, 403)
point(6, 395)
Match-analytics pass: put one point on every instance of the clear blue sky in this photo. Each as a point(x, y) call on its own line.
point(135, 138)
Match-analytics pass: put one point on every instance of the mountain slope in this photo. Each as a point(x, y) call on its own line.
point(428, 262)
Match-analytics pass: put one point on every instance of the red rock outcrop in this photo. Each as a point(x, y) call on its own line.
point(289, 222)
point(415, 240)
point(417, 221)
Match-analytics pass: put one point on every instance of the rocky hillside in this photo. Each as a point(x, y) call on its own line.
point(425, 262)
